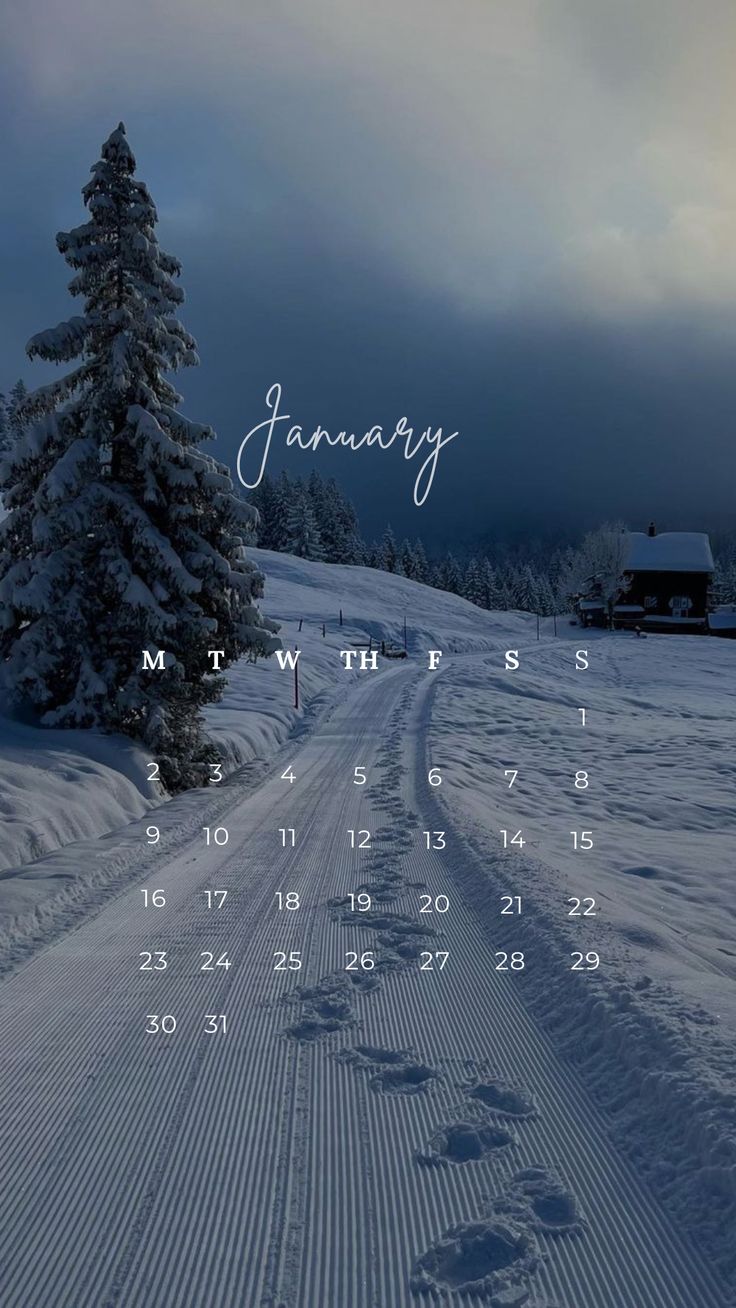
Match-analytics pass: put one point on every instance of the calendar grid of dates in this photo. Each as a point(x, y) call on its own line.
point(362, 862)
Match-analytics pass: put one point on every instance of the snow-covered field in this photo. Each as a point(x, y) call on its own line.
point(659, 750)
point(394, 1134)
point(64, 787)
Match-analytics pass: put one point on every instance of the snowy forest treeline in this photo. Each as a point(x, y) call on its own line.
point(314, 519)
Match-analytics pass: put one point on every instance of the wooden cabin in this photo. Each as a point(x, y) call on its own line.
point(666, 581)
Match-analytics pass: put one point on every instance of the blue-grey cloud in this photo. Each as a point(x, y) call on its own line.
point(515, 220)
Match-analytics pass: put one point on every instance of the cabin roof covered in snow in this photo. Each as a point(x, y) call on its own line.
point(673, 551)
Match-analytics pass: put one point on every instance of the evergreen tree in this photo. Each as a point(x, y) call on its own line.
point(13, 419)
point(420, 565)
point(389, 553)
point(302, 533)
point(724, 581)
point(17, 419)
point(282, 493)
point(472, 587)
point(449, 575)
point(351, 543)
point(373, 555)
point(406, 559)
point(545, 596)
point(529, 590)
point(337, 521)
point(316, 493)
point(263, 499)
point(492, 598)
point(122, 535)
point(506, 578)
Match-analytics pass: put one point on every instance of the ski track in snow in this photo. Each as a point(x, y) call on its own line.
point(396, 1140)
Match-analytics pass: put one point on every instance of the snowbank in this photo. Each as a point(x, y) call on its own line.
point(62, 786)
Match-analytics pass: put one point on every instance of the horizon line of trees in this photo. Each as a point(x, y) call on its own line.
point(315, 520)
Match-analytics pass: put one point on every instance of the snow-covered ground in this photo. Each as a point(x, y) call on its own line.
point(61, 787)
point(535, 1135)
point(659, 750)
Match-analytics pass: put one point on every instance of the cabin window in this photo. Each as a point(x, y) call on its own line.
point(680, 605)
point(650, 601)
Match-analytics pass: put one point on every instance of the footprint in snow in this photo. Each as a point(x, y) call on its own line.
point(400, 1072)
point(485, 1259)
point(327, 1008)
point(495, 1257)
point(502, 1098)
point(463, 1142)
point(309, 1029)
point(404, 1079)
point(539, 1198)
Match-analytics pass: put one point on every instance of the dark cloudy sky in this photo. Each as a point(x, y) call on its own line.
point(517, 220)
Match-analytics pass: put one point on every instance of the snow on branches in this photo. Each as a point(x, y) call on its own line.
point(122, 533)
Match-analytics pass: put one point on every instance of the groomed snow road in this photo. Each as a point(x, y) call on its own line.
point(367, 1138)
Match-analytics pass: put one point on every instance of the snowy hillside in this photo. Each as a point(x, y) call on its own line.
point(92, 784)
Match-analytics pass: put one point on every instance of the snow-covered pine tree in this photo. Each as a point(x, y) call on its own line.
point(373, 555)
point(472, 586)
point(420, 565)
point(122, 536)
point(449, 576)
point(530, 589)
point(336, 519)
point(492, 598)
point(260, 498)
point(506, 579)
point(724, 581)
point(405, 564)
point(302, 533)
point(282, 493)
point(316, 493)
point(17, 419)
point(546, 604)
point(350, 541)
point(389, 553)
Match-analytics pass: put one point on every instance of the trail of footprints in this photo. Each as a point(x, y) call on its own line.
point(492, 1257)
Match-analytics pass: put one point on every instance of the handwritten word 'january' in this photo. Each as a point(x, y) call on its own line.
point(262, 434)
